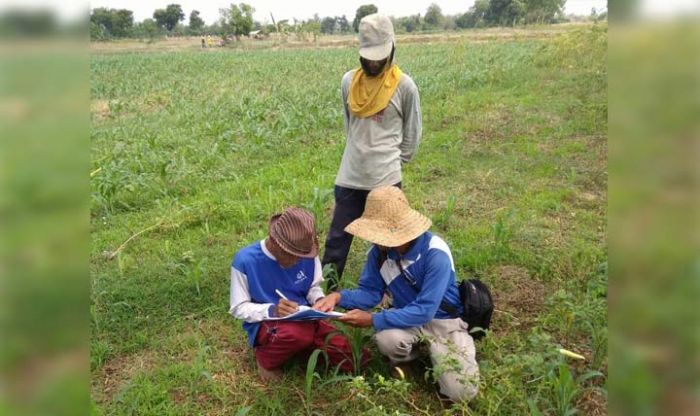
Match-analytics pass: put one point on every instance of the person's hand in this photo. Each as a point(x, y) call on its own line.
point(357, 317)
point(327, 304)
point(286, 307)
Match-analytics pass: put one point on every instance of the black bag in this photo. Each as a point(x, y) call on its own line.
point(476, 300)
point(478, 306)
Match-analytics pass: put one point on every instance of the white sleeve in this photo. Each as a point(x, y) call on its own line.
point(316, 292)
point(241, 306)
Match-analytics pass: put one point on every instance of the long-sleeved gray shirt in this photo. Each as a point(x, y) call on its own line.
point(377, 145)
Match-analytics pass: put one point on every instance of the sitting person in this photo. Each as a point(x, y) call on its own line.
point(417, 269)
point(263, 274)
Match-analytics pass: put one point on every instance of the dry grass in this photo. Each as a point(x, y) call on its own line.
point(306, 40)
point(118, 371)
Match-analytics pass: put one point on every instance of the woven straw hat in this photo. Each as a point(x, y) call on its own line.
point(388, 220)
point(294, 231)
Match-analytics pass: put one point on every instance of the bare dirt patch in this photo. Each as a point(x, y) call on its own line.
point(517, 295)
point(593, 403)
point(117, 371)
point(100, 109)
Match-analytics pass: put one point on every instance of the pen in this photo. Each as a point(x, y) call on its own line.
point(281, 294)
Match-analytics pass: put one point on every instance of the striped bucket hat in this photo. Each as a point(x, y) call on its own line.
point(388, 220)
point(294, 230)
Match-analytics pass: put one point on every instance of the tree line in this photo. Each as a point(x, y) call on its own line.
point(237, 20)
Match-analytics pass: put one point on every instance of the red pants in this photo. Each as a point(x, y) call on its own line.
point(278, 341)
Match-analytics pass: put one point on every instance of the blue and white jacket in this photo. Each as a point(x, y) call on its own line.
point(429, 262)
point(255, 274)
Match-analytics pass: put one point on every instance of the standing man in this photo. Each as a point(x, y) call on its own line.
point(416, 267)
point(383, 129)
point(272, 278)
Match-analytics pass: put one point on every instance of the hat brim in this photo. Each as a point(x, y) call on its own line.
point(378, 52)
point(386, 234)
point(286, 248)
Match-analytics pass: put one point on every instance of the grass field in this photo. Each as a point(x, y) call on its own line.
point(192, 151)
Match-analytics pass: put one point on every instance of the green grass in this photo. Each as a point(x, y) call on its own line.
point(196, 150)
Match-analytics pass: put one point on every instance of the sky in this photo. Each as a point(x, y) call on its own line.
point(304, 9)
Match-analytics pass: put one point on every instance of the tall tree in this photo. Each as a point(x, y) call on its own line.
point(361, 12)
point(169, 17)
point(196, 23)
point(505, 12)
point(102, 18)
point(475, 16)
point(111, 22)
point(237, 20)
point(543, 11)
point(433, 16)
point(148, 29)
point(343, 24)
point(328, 25)
point(410, 23)
point(122, 22)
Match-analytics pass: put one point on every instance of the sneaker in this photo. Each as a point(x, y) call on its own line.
point(269, 375)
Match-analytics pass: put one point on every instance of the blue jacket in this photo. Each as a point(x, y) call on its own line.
point(255, 275)
point(429, 262)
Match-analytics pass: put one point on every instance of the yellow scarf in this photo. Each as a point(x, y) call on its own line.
point(370, 95)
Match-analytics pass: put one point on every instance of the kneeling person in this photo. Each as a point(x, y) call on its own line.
point(263, 274)
point(417, 269)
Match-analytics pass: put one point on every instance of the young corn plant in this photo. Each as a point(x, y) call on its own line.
point(199, 370)
point(309, 380)
point(565, 389)
point(311, 374)
point(357, 338)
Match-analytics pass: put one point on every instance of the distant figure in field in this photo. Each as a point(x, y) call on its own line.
point(203, 44)
point(210, 41)
point(383, 129)
point(272, 278)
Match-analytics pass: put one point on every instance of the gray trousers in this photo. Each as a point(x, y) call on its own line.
point(452, 354)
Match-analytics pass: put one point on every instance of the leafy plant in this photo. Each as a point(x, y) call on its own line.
point(358, 338)
point(309, 379)
point(199, 369)
point(564, 388)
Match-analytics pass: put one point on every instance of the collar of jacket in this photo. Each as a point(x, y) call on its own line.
point(415, 250)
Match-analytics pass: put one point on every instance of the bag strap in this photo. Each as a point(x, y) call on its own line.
point(443, 305)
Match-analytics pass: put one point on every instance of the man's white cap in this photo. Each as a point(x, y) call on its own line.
point(376, 37)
